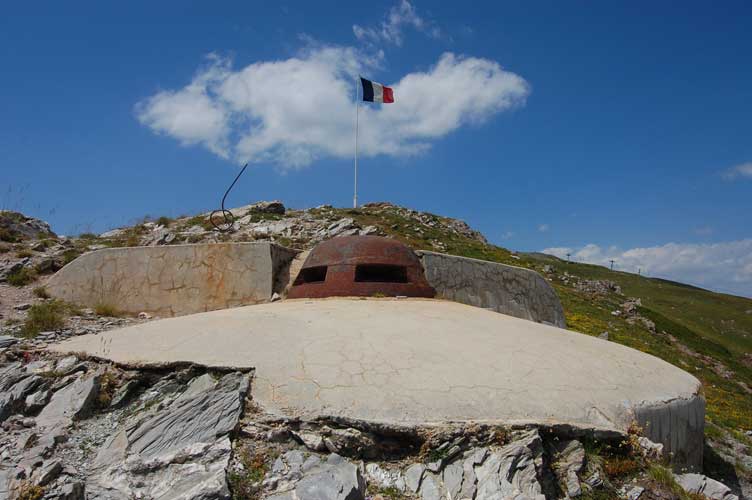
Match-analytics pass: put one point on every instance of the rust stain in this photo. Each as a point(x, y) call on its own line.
point(361, 266)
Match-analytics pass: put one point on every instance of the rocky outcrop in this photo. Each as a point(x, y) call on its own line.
point(181, 450)
point(705, 486)
point(15, 226)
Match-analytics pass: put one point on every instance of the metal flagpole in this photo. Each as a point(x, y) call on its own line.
point(355, 192)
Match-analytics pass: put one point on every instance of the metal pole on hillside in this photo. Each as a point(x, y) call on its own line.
point(355, 190)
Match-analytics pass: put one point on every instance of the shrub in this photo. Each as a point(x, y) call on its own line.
point(4, 248)
point(29, 491)
point(70, 255)
point(22, 277)
point(164, 221)
point(8, 235)
point(88, 236)
point(45, 317)
point(621, 466)
point(665, 477)
point(22, 254)
point(109, 310)
point(246, 482)
point(107, 386)
point(41, 292)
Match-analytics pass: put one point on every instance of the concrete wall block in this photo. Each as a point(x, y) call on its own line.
point(174, 280)
point(506, 289)
point(679, 425)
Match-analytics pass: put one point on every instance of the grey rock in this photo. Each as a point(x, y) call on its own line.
point(512, 470)
point(385, 478)
point(48, 472)
point(22, 307)
point(177, 452)
point(72, 491)
point(340, 226)
point(452, 478)
point(414, 476)
point(435, 466)
point(199, 418)
point(649, 449)
point(603, 336)
point(635, 492)
point(12, 400)
point(430, 488)
point(124, 393)
point(335, 479)
point(269, 207)
point(310, 440)
point(70, 403)
point(703, 485)
point(65, 365)
point(10, 374)
point(7, 341)
point(351, 442)
point(570, 462)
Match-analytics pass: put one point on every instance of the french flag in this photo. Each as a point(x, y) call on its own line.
point(375, 92)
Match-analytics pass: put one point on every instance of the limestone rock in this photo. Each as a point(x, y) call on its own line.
point(335, 479)
point(570, 462)
point(70, 403)
point(311, 440)
point(382, 477)
point(7, 341)
point(511, 472)
point(35, 402)
point(71, 491)
point(414, 476)
point(23, 227)
point(48, 472)
point(180, 451)
point(703, 485)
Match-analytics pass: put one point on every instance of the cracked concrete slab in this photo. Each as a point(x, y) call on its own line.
point(418, 362)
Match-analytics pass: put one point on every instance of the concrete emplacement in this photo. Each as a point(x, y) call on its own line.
point(424, 362)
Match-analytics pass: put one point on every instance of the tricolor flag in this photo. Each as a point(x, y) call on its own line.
point(375, 92)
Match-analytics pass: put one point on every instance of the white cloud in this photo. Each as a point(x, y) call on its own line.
point(742, 170)
point(725, 266)
point(543, 228)
point(507, 235)
point(390, 30)
point(293, 111)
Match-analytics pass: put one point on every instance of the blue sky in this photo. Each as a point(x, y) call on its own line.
point(605, 129)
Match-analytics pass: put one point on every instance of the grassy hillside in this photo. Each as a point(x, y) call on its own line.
point(706, 333)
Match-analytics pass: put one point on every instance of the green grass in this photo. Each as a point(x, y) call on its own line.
point(22, 277)
point(108, 310)
point(47, 316)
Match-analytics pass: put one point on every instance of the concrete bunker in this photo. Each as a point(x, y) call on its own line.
point(361, 266)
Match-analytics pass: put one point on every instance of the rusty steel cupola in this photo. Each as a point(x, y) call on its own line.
point(361, 266)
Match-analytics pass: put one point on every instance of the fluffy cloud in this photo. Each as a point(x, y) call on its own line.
point(543, 228)
point(390, 30)
point(293, 111)
point(726, 266)
point(742, 170)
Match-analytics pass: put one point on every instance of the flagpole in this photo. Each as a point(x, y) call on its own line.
point(355, 191)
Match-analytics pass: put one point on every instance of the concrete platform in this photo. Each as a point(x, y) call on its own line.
point(418, 362)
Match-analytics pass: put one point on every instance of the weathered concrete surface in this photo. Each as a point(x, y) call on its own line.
point(511, 290)
point(420, 362)
point(175, 280)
